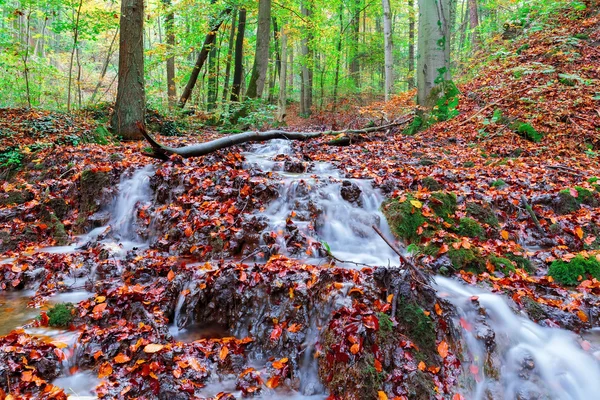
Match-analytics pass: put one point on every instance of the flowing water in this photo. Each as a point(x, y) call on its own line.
point(525, 360)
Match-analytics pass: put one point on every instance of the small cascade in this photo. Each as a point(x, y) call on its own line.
point(507, 356)
point(345, 209)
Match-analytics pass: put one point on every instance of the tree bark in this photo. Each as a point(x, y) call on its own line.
point(236, 86)
point(354, 38)
point(130, 106)
point(306, 89)
point(202, 56)
point(229, 56)
point(433, 66)
point(474, 23)
point(411, 44)
point(212, 79)
point(74, 48)
point(170, 33)
point(283, 78)
point(104, 66)
point(388, 56)
point(261, 57)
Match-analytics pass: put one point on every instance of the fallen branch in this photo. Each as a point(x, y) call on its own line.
point(532, 214)
point(197, 150)
point(494, 103)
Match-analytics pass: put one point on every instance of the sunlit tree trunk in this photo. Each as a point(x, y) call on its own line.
point(130, 106)
point(261, 58)
point(474, 23)
point(354, 46)
point(229, 56)
point(170, 34)
point(411, 44)
point(236, 86)
point(104, 66)
point(306, 91)
point(433, 64)
point(73, 49)
point(283, 77)
point(388, 56)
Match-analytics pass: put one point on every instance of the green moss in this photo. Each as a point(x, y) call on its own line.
point(468, 164)
point(498, 183)
point(585, 196)
point(60, 315)
point(529, 132)
point(566, 203)
point(593, 179)
point(534, 309)
point(466, 259)
point(521, 262)
point(443, 204)
point(568, 273)
point(470, 228)
point(482, 213)
point(431, 184)
point(415, 126)
point(502, 264)
point(418, 326)
point(385, 323)
point(403, 218)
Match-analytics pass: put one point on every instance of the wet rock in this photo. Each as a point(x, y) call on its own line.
point(432, 184)
point(294, 166)
point(563, 203)
point(98, 219)
point(350, 192)
point(91, 185)
point(15, 197)
point(59, 206)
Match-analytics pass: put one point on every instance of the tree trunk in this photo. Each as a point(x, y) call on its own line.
point(388, 56)
point(411, 44)
point(212, 79)
point(130, 106)
point(170, 33)
point(74, 48)
point(104, 66)
point(236, 86)
point(306, 92)
point(474, 23)
point(433, 65)
point(202, 56)
point(354, 38)
point(283, 78)
point(261, 57)
point(338, 55)
point(229, 56)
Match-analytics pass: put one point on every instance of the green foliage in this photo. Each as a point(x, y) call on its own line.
point(470, 228)
point(498, 183)
point(419, 327)
point(502, 264)
point(520, 261)
point(466, 259)
point(11, 158)
point(61, 315)
point(415, 126)
point(386, 326)
point(404, 218)
point(569, 273)
point(468, 164)
point(249, 114)
point(529, 132)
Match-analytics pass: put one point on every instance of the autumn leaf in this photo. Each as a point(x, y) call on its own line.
point(377, 365)
point(273, 382)
point(188, 231)
point(443, 349)
point(355, 348)
point(223, 352)
point(121, 358)
point(104, 370)
point(421, 366)
point(582, 316)
point(416, 203)
point(579, 232)
point(381, 395)
point(99, 308)
point(170, 275)
point(504, 234)
point(153, 348)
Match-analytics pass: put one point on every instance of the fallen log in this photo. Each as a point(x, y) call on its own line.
point(201, 149)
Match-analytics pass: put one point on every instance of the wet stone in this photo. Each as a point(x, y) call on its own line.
point(350, 191)
point(294, 166)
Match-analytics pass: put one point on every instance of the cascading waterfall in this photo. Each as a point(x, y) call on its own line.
point(346, 227)
point(525, 360)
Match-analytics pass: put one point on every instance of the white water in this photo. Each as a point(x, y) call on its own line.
point(556, 366)
point(344, 226)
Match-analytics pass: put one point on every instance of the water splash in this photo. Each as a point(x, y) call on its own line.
point(526, 360)
point(132, 192)
point(345, 226)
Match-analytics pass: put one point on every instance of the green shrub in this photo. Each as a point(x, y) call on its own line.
point(60, 315)
point(568, 273)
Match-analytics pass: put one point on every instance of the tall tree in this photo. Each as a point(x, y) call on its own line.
point(388, 56)
point(306, 89)
point(411, 44)
point(170, 33)
point(229, 55)
point(238, 71)
point(433, 64)
point(130, 106)
point(474, 23)
point(354, 68)
point(261, 57)
point(283, 77)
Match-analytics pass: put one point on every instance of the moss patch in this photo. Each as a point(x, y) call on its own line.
point(466, 259)
point(470, 228)
point(404, 218)
point(60, 315)
point(521, 262)
point(569, 273)
point(482, 213)
point(443, 204)
point(431, 184)
point(502, 264)
point(418, 326)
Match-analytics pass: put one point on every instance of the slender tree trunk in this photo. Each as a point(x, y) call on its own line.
point(463, 29)
point(238, 72)
point(306, 92)
point(283, 78)
point(338, 55)
point(212, 79)
point(25, 58)
point(202, 56)
point(474, 23)
point(261, 58)
point(229, 56)
point(411, 44)
point(290, 69)
point(388, 56)
point(433, 67)
point(75, 37)
point(105, 66)
point(39, 46)
point(130, 106)
point(354, 47)
point(170, 33)
point(79, 78)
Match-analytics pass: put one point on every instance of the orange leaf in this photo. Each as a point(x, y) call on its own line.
point(104, 370)
point(443, 349)
point(27, 376)
point(153, 348)
point(355, 348)
point(122, 358)
point(170, 275)
point(504, 235)
point(188, 231)
point(438, 309)
point(99, 308)
point(378, 367)
point(421, 366)
point(223, 353)
point(381, 395)
point(582, 316)
point(294, 328)
point(458, 396)
point(273, 382)
point(579, 232)
point(443, 249)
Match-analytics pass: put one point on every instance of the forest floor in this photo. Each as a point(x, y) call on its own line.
point(504, 195)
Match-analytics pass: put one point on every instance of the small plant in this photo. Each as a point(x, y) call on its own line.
point(570, 273)
point(529, 132)
point(11, 158)
point(498, 183)
point(60, 315)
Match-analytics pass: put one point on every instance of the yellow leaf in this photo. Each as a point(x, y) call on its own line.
point(421, 366)
point(153, 348)
point(100, 299)
point(223, 353)
point(381, 395)
point(443, 349)
point(416, 203)
point(504, 234)
point(579, 232)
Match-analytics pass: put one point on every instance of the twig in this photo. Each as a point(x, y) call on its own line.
point(494, 103)
point(565, 169)
point(532, 214)
point(330, 255)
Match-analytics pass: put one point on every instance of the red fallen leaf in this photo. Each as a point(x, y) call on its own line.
point(280, 363)
point(188, 231)
point(246, 190)
point(99, 308)
point(273, 382)
point(573, 192)
point(27, 376)
point(59, 354)
point(294, 328)
point(276, 333)
point(474, 369)
point(466, 325)
point(122, 358)
point(443, 349)
point(44, 318)
point(171, 275)
point(458, 396)
point(443, 249)
point(378, 366)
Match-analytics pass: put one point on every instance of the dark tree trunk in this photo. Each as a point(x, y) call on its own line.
point(236, 87)
point(474, 23)
point(170, 33)
point(229, 55)
point(261, 58)
point(202, 56)
point(131, 98)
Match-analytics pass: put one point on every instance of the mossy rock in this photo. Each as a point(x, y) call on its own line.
point(443, 204)
point(520, 261)
point(470, 228)
point(502, 264)
point(564, 203)
point(569, 273)
point(61, 315)
point(468, 164)
point(91, 184)
point(498, 183)
point(432, 184)
point(466, 259)
point(482, 213)
point(15, 197)
point(417, 326)
point(403, 218)
point(533, 309)
point(59, 206)
point(586, 196)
